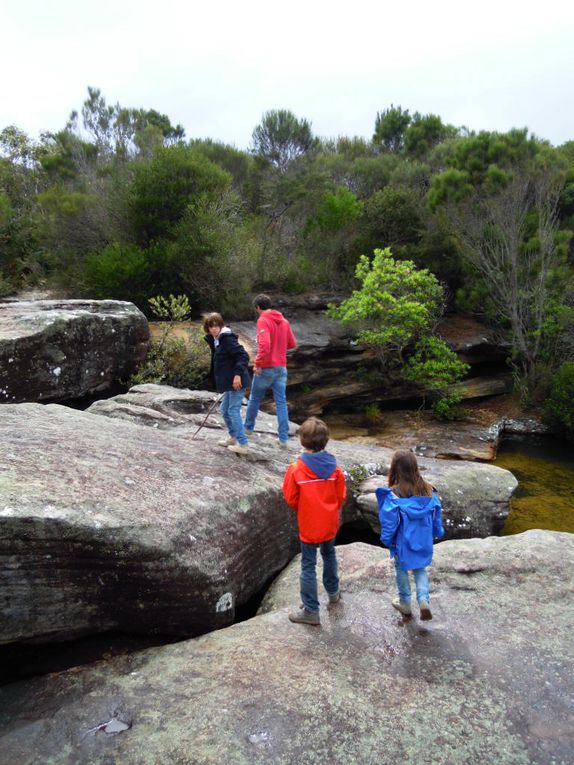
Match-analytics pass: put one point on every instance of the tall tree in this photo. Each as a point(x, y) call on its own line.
point(281, 138)
point(390, 126)
point(510, 236)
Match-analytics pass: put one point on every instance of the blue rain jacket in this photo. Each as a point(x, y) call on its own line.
point(408, 527)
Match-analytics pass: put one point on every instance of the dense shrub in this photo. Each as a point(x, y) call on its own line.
point(126, 272)
point(559, 408)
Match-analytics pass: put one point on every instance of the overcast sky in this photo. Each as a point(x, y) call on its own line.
point(216, 67)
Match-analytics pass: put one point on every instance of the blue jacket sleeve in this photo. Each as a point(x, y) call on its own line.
point(437, 528)
point(388, 516)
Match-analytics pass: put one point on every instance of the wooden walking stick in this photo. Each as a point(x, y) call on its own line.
point(209, 411)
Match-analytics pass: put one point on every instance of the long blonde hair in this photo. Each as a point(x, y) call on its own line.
point(405, 478)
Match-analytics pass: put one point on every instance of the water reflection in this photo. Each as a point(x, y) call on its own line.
point(544, 467)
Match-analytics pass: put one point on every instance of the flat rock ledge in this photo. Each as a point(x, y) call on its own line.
point(490, 679)
point(108, 524)
point(52, 350)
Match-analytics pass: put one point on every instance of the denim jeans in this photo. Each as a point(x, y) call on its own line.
point(276, 379)
point(230, 408)
point(404, 587)
point(309, 576)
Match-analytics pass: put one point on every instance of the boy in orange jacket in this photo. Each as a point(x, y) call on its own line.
point(314, 486)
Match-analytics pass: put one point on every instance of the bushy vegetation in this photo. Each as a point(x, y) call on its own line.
point(173, 360)
point(559, 407)
point(119, 204)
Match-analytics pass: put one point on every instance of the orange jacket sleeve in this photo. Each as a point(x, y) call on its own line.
point(290, 488)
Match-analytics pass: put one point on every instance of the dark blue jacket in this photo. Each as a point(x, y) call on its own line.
point(228, 359)
point(408, 527)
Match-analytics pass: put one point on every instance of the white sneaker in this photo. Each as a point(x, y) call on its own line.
point(240, 448)
point(283, 444)
point(227, 441)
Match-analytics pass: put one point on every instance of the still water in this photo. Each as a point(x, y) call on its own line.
point(544, 467)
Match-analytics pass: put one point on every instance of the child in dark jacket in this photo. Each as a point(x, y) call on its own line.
point(314, 486)
point(410, 515)
point(229, 361)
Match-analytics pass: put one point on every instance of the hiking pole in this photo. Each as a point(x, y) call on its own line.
point(209, 411)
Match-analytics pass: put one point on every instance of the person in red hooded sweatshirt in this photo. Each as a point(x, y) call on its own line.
point(314, 486)
point(274, 338)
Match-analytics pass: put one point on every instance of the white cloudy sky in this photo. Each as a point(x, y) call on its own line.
point(215, 67)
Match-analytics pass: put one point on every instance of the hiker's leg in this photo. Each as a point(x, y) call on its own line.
point(330, 572)
point(259, 386)
point(309, 577)
point(234, 413)
point(422, 584)
point(403, 584)
point(224, 410)
point(279, 388)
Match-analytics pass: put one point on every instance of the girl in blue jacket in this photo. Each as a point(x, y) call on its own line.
point(410, 516)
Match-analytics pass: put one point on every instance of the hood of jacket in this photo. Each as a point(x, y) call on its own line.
point(413, 507)
point(322, 464)
point(272, 315)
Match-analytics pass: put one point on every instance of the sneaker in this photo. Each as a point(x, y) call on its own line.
point(227, 441)
point(248, 432)
point(425, 610)
point(404, 608)
point(283, 444)
point(334, 597)
point(240, 448)
point(302, 616)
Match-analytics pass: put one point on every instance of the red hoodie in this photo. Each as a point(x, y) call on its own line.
point(274, 339)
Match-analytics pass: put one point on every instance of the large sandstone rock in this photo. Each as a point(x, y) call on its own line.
point(53, 350)
point(476, 497)
point(329, 368)
point(107, 524)
point(489, 680)
point(180, 410)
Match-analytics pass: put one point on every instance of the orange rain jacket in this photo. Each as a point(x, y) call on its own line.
point(316, 500)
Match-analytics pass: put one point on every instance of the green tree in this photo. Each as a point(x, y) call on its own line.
point(164, 188)
point(396, 303)
point(391, 218)
point(424, 133)
point(281, 138)
point(507, 230)
point(390, 127)
point(436, 366)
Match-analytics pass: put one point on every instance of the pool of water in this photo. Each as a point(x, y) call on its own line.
point(544, 467)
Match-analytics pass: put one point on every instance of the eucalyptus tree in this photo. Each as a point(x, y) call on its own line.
point(500, 197)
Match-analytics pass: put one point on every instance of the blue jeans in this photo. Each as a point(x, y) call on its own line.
point(276, 379)
point(404, 587)
point(309, 575)
point(230, 408)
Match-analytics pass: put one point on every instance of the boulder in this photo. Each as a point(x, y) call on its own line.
point(109, 525)
point(475, 497)
point(181, 410)
point(52, 350)
point(490, 679)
